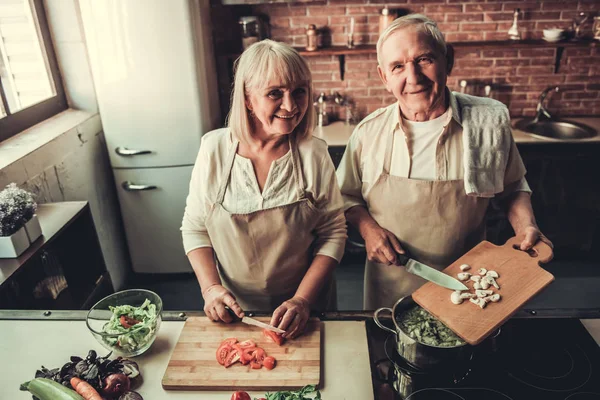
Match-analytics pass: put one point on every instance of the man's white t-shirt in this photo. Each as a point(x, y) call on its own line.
point(422, 140)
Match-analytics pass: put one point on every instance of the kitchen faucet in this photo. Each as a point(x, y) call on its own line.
point(541, 109)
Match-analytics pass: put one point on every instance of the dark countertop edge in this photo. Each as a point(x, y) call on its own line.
point(80, 315)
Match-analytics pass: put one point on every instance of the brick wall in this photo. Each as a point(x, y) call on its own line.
point(516, 75)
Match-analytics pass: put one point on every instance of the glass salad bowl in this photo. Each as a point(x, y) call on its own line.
point(126, 322)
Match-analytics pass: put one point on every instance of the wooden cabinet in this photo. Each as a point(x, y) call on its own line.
point(63, 269)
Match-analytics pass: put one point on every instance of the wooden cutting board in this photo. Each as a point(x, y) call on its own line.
point(520, 278)
point(193, 364)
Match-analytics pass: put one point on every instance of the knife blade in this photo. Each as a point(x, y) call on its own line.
point(430, 274)
point(252, 321)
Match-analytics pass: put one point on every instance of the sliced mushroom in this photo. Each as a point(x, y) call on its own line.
point(477, 286)
point(482, 271)
point(467, 296)
point(492, 281)
point(463, 276)
point(465, 267)
point(493, 274)
point(480, 302)
point(475, 278)
point(483, 293)
point(455, 297)
point(484, 284)
point(493, 298)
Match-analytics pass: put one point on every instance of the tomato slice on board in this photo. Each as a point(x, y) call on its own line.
point(222, 352)
point(259, 355)
point(255, 365)
point(127, 322)
point(247, 355)
point(274, 336)
point(231, 340)
point(269, 362)
point(232, 358)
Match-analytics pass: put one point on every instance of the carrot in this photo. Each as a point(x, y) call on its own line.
point(85, 389)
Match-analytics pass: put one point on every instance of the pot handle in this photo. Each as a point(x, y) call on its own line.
point(376, 318)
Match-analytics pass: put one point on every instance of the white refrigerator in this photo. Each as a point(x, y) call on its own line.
point(154, 73)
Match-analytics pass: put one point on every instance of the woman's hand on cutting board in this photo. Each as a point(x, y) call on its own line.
point(216, 297)
point(291, 316)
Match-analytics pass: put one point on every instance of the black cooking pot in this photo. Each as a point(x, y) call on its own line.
point(419, 355)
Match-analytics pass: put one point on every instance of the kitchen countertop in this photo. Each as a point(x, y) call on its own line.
point(26, 345)
point(337, 133)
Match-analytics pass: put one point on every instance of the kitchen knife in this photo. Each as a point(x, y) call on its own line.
point(430, 274)
point(252, 321)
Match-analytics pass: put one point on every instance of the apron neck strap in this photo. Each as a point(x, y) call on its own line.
point(227, 171)
point(297, 167)
point(387, 160)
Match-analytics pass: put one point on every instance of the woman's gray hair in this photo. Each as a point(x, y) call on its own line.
point(422, 24)
point(258, 66)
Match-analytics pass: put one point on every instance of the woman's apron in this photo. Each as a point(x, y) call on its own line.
point(263, 256)
point(435, 221)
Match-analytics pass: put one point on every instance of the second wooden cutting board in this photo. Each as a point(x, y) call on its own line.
point(193, 364)
point(520, 278)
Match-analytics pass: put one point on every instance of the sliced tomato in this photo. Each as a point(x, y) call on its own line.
point(255, 365)
point(232, 358)
point(222, 352)
point(127, 322)
point(259, 354)
point(247, 355)
point(269, 362)
point(247, 343)
point(274, 336)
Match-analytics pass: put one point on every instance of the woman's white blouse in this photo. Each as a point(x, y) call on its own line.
point(243, 193)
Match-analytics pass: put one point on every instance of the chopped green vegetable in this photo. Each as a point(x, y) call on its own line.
point(136, 336)
point(302, 394)
point(425, 328)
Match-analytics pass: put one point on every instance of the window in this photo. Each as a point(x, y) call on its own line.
point(30, 85)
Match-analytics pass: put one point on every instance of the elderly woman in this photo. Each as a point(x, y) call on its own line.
point(264, 225)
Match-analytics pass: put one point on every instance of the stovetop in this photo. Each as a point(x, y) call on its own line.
point(548, 359)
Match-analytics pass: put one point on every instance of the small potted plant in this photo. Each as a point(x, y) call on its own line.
point(19, 226)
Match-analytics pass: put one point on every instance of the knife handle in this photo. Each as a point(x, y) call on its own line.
point(402, 258)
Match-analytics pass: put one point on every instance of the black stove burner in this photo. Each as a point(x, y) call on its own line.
point(548, 359)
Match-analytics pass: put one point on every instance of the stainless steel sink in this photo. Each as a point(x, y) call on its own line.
point(556, 129)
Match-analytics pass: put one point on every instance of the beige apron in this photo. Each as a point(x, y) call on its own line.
point(435, 221)
point(263, 256)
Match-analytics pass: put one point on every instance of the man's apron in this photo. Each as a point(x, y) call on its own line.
point(263, 256)
point(435, 221)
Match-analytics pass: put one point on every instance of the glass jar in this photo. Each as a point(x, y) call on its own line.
point(596, 28)
point(311, 37)
point(249, 28)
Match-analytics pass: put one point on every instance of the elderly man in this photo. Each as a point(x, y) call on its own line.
point(418, 175)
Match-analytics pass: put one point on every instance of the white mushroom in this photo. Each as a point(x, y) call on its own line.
point(465, 267)
point(467, 295)
point(493, 274)
point(493, 298)
point(475, 278)
point(492, 281)
point(463, 276)
point(483, 293)
point(480, 302)
point(477, 286)
point(455, 297)
point(484, 284)
point(482, 271)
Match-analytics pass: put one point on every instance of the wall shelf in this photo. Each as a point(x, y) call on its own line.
point(342, 51)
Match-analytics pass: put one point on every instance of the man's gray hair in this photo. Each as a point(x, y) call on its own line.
point(422, 24)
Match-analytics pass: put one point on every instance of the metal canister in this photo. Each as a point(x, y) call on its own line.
point(250, 33)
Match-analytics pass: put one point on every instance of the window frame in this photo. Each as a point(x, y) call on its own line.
point(12, 124)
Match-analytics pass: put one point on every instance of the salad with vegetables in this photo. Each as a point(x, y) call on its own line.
point(135, 326)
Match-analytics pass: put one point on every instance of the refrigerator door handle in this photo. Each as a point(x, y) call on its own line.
point(124, 151)
point(132, 187)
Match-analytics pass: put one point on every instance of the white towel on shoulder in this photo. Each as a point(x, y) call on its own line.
point(486, 144)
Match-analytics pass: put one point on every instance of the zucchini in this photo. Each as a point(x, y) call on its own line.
point(47, 389)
